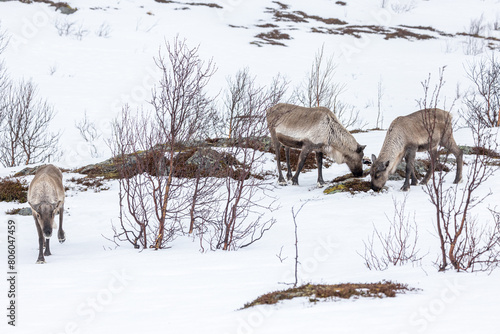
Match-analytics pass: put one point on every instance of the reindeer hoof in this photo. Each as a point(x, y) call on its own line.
point(62, 238)
point(282, 183)
point(40, 262)
point(321, 184)
point(403, 188)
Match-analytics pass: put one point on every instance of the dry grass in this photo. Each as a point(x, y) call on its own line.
point(315, 292)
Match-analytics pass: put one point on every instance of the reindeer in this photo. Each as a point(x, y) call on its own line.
point(423, 130)
point(46, 198)
point(312, 129)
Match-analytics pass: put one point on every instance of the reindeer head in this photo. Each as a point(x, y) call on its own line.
point(44, 215)
point(354, 161)
point(379, 173)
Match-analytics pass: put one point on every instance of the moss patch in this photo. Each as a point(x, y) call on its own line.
point(352, 186)
point(316, 292)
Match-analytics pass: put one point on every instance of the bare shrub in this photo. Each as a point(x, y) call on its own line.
point(482, 103)
point(162, 194)
point(245, 199)
point(477, 26)
point(380, 115)
point(155, 201)
point(467, 244)
point(319, 89)
point(4, 81)
point(80, 32)
point(474, 44)
point(396, 247)
point(89, 132)
point(235, 99)
point(402, 6)
point(104, 30)
point(25, 134)
point(141, 190)
point(64, 27)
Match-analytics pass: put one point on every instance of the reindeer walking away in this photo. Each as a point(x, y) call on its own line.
point(312, 129)
point(46, 198)
point(423, 130)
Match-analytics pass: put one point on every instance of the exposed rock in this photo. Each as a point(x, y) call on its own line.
point(25, 212)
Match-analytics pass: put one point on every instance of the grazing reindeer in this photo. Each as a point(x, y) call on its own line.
point(423, 130)
point(312, 129)
point(46, 198)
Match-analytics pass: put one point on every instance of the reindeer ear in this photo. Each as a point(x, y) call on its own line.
point(360, 148)
point(374, 158)
point(34, 208)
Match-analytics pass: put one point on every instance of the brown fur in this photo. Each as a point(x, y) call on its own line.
point(423, 130)
point(312, 129)
point(46, 198)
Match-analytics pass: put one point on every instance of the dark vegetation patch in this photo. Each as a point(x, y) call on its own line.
point(406, 34)
point(352, 186)
point(97, 184)
point(317, 292)
point(476, 150)
point(282, 5)
point(191, 160)
point(63, 7)
point(442, 33)
point(329, 21)
point(267, 25)
point(239, 27)
point(357, 30)
point(12, 190)
point(13, 211)
point(26, 211)
point(211, 5)
point(341, 3)
point(272, 38)
point(488, 38)
point(282, 15)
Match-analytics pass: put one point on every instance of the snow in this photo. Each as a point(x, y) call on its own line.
point(91, 286)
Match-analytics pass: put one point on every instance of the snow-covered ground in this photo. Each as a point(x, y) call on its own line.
point(90, 286)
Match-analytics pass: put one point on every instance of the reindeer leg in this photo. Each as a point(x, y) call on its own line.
point(319, 161)
point(434, 160)
point(41, 240)
point(277, 148)
point(410, 167)
point(60, 233)
point(47, 248)
point(302, 159)
point(414, 179)
point(288, 167)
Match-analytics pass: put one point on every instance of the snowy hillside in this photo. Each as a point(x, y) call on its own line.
point(100, 58)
